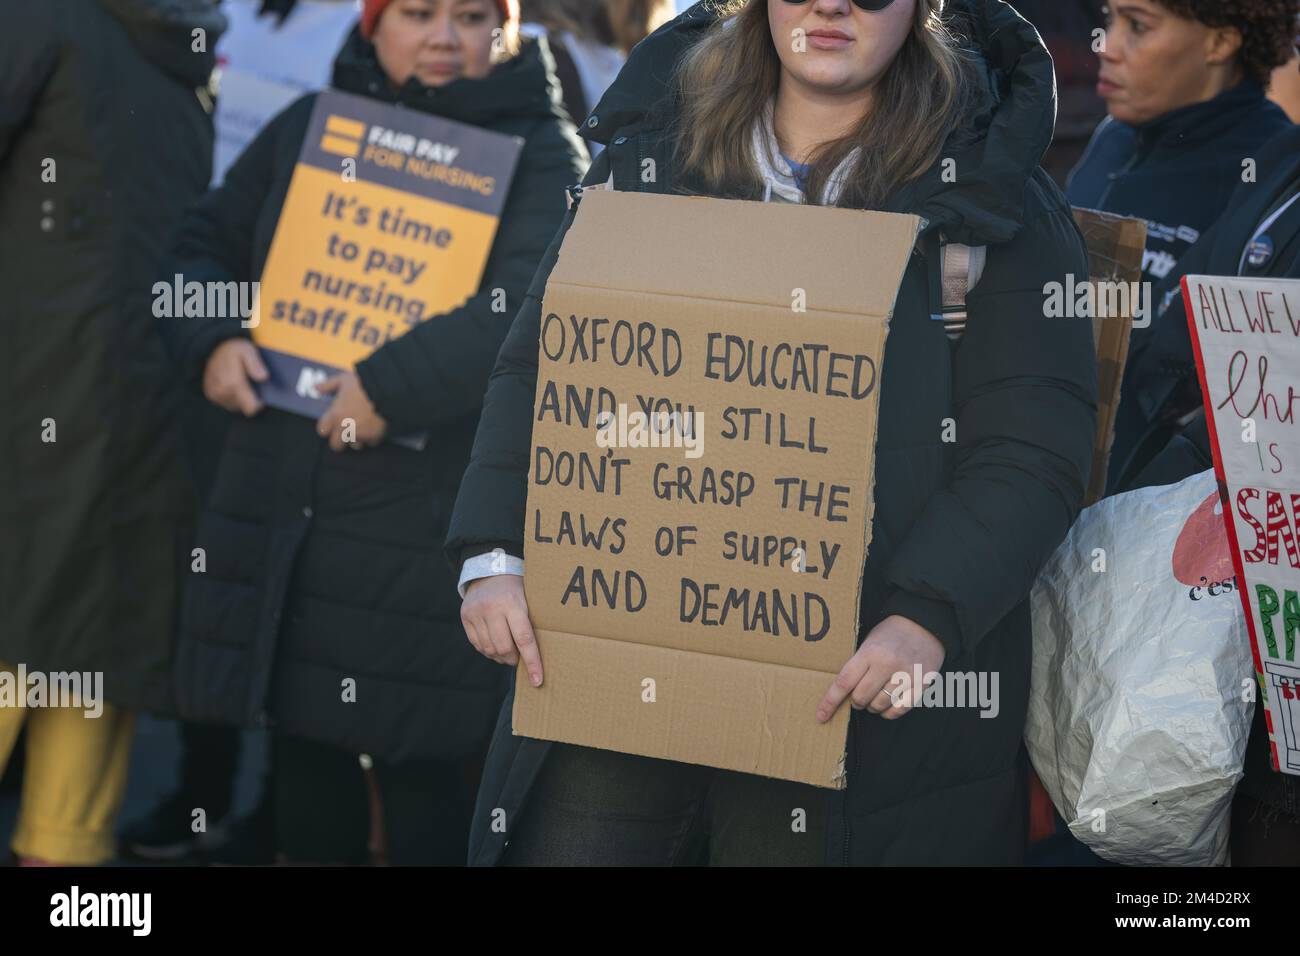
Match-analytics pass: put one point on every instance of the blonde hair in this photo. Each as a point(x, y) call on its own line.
point(726, 80)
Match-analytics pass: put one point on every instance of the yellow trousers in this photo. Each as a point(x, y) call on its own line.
point(74, 779)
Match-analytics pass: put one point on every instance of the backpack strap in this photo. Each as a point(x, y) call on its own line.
point(960, 269)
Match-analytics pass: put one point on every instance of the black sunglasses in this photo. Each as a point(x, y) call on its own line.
point(873, 5)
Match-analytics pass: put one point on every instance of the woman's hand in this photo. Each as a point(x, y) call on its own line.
point(350, 402)
point(880, 675)
point(229, 374)
point(495, 615)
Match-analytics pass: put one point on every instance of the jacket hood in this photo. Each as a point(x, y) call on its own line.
point(524, 85)
point(163, 32)
point(996, 150)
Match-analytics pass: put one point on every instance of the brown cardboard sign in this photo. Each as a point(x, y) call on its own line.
point(1115, 248)
point(700, 479)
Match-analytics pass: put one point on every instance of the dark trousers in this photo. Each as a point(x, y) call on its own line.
point(599, 808)
point(209, 764)
point(1266, 806)
point(1263, 834)
point(328, 810)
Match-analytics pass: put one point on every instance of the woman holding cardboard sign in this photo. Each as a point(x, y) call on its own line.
point(941, 110)
point(326, 607)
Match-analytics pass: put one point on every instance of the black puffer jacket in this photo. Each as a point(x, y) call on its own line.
point(960, 530)
point(105, 138)
point(324, 566)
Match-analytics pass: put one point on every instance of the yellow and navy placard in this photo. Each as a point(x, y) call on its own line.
point(388, 222)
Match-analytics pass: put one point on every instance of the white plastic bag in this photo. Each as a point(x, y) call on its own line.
point(1137, 724)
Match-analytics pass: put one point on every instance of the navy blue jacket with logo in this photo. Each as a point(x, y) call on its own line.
point(1178, 171)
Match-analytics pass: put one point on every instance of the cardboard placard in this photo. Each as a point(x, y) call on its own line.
point(694, 599)
point(389, 220)
point(1115, 248)
point(1246, 334)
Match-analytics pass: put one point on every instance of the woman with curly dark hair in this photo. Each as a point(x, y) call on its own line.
point(1185, 84)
